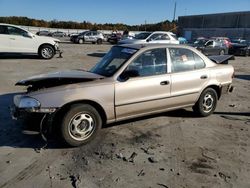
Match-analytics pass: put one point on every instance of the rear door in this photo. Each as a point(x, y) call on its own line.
point(188, 74)
point(147, 92)
point(4, 39)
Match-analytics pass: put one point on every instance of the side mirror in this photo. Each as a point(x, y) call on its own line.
point(29, 35)
point(129, 74)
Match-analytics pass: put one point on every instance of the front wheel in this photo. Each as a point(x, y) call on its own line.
point(207, 103)
point(247, 53)
point(80, 41)
point(80, 124)
point(46, 52)
point(222, 52)
point(99, 41)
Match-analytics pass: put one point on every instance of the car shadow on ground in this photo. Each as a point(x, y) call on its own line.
point(18, 56)
point(97, 54)
point(243, 77)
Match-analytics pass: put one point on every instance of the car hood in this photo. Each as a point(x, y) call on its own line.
point(236, 45)
point(58, 78)
point(44, 38)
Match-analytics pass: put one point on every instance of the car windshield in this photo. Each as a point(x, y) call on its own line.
point(142, 36)
point(83, 33)
point(113, 60)
point(200, 41)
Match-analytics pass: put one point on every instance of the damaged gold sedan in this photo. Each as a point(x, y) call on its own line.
point(130, 81)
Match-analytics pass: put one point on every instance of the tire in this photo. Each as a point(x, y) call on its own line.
point(99, 41)
point(222, 52)
point(80, 41)
point(80, 125)
point(247, 53)
point(46, 52)
point(207, 103)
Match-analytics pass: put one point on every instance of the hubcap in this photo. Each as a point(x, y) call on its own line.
point(208, 103)
point(47, 52)
point(81, 126)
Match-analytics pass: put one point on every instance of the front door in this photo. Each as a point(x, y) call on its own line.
point(20, 42)
point(147, 92)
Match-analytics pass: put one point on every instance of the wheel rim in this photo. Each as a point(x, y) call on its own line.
point(208, 103)
point(81, 126)
point(80, 41)
point(222, 52)
point(47, 52)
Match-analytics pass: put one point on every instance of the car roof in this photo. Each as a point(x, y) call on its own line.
point(140, 46)
point(5, 24)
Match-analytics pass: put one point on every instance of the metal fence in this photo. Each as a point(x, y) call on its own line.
point(233, 33)
point(67, 31)
point(232, 25)
point(222, 20)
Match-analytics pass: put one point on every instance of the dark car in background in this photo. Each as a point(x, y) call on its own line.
point(211, 46)
point(58, 34)
point(115, 38)
point(43, 33)
point(73, 38)
point(240, 47)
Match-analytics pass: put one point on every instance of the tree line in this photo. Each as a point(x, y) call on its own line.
point(161, 26)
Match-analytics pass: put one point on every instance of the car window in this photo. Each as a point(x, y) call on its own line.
point(210, 43)
point(142, 36)
point(185, 60)
point(155, 36)
point(3, 29)
point(164, 37)
point(174, 36)
point(151, 62)
point(217, 43)
point(88, 34)
point(16, 31)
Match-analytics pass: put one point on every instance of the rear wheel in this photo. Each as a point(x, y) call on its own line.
point(80, 124)
point(207, 102)
point(46, 52)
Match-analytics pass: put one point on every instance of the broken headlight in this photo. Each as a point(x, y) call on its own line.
point(28, 102)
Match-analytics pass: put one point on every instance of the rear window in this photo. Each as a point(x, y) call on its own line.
point(185, 60)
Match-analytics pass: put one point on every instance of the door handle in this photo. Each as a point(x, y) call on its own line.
point(204, 77)
point(163, 83)
point(12, 39)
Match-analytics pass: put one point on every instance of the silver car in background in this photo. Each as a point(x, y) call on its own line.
point(94, 37)
point(152, 38)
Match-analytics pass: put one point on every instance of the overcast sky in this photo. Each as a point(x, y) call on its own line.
point(115, 11)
